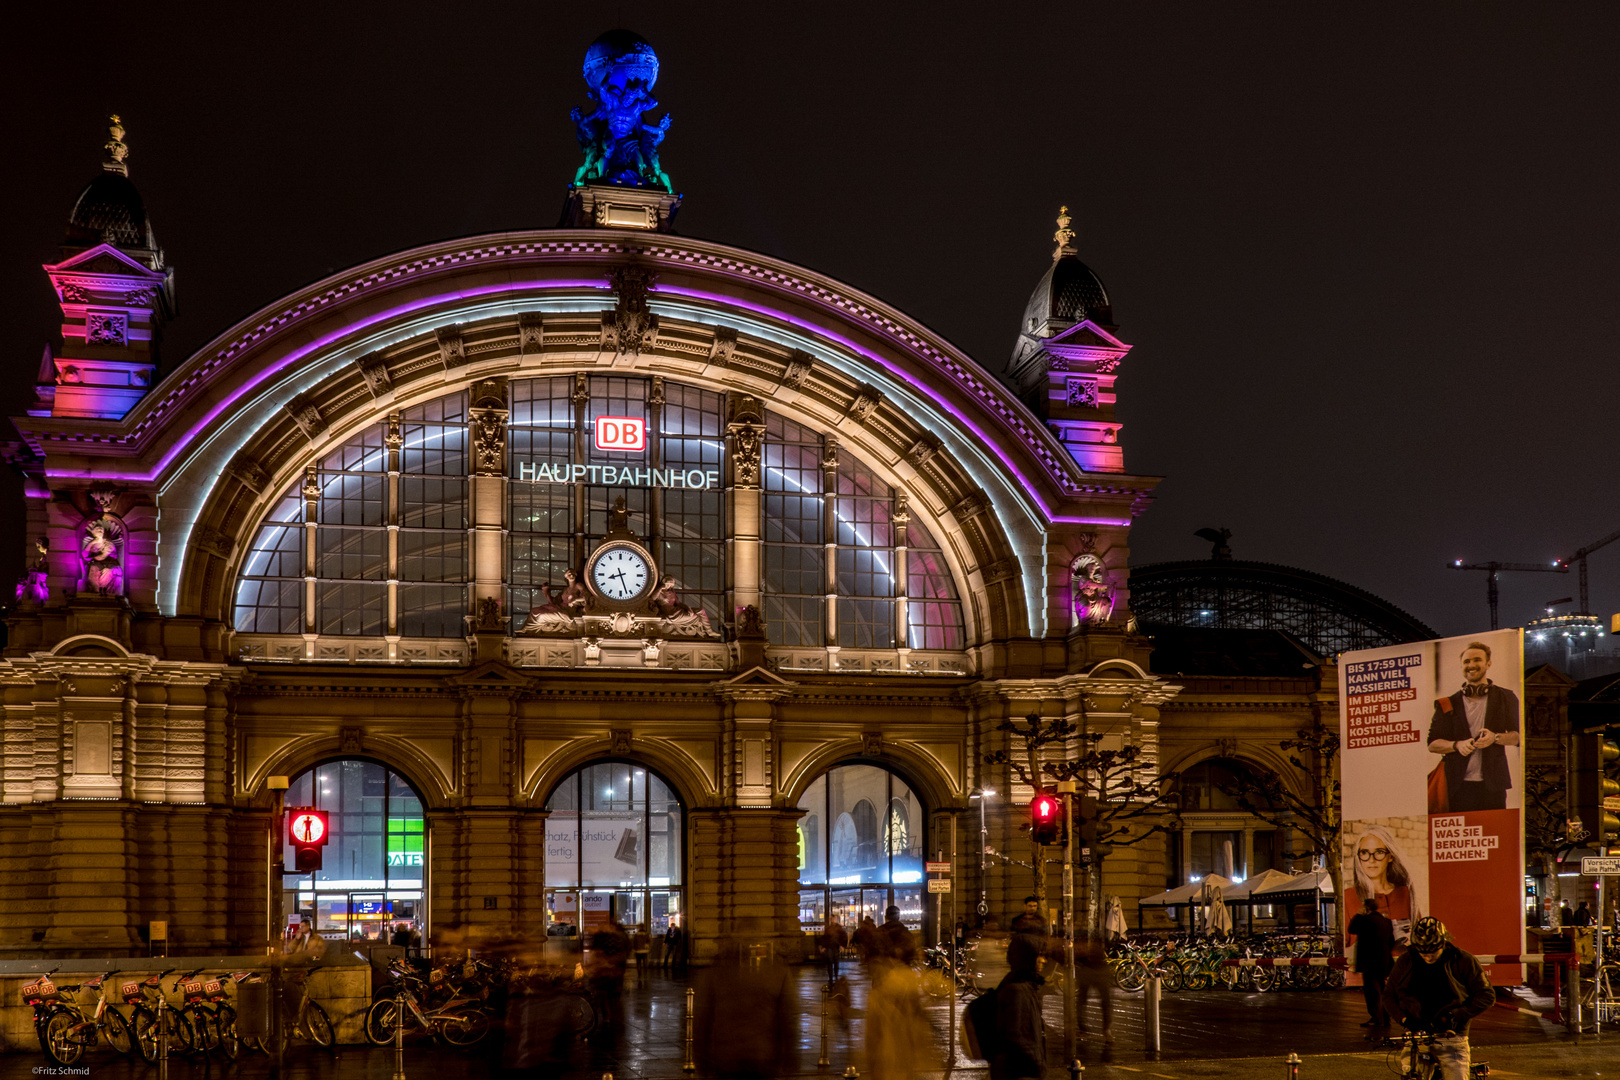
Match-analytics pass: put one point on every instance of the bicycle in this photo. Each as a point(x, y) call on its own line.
point(69, 1033)
point(1413, 1054)
point(458, 1021)
point(149, 1020)
point(309, 1019)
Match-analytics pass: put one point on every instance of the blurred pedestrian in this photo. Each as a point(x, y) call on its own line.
point(1091, 973)
point(833, 940)
point(1020, 1028)
point(1029, 921)
point(640, 947)
point(865, 939)
point(672, 941)
point(1566, 917)
point(1375, 945)
point(1582, 916)
point(899, 1041)
point(742, 1029)
point(539, 1026)
point(604, 969)
point(961, 933)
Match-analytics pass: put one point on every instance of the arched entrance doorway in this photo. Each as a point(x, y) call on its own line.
point(860, 848)
point(373, 870)
point(615, 845)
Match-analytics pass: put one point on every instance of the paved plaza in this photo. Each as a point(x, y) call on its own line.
point(1205, 1036)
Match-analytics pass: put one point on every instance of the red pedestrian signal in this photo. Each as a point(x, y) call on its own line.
point(308, 831)
point(1046, 819)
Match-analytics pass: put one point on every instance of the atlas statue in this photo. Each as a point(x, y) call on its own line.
point(620, 69)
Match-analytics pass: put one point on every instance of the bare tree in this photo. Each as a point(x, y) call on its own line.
point(1314, 753)
point(1118, 805)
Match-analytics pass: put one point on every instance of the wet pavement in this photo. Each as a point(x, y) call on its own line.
point(1204, 1036)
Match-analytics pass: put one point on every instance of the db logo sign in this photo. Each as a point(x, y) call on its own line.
point(621, 433)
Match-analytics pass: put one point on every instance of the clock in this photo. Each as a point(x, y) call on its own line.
point(621, 573)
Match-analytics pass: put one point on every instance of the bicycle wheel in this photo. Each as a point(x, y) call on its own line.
point(143, 1027)
point(581, 1015)
point(202, 1027)
point(182, 1039)
point(1131, 975)
point(319, 1025)
point(464, 1030)
point(62, 1043)
point(1265, 979)
point(225, 1025)
point(117, 1031)
point(380, 1020)
point(1174, 978)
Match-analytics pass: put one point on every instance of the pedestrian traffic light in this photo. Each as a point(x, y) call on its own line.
point(1597, 793)
point(308, 833)
point(1046, 819)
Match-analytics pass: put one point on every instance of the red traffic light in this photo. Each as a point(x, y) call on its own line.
point(1045, 819)
point(306, 827)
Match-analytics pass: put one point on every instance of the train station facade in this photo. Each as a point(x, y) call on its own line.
point(574, 571)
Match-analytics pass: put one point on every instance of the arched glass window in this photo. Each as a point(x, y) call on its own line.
point(372, 868)
point(1211, 785)
point(364, 585)
point(869, 861)
point(614, 843)
point(563, 486)
point(853, 525)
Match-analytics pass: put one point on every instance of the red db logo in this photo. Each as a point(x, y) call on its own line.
point(621, 433)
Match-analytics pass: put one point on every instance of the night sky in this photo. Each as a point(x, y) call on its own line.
point(1367, 255)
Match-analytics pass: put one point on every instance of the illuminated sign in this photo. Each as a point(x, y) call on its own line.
point(405, 841)
point(614, 476)
point(308, 828)
point(622, 433)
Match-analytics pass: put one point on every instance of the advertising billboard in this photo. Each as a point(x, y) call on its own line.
point(1432, 782)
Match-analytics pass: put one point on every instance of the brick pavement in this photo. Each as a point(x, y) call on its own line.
point(1205, 1036)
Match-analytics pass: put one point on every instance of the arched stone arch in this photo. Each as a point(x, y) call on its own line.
point(301, 755)
point(689, 785)
point(1259, 757)
point(90, 647)
point(920, 772)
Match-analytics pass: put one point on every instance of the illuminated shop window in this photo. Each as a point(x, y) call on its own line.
point(372, 867)
point(860, 848)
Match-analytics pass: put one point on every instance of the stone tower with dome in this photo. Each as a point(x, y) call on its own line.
point(1064, 362)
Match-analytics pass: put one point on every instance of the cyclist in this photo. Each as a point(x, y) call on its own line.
point(1437, 988)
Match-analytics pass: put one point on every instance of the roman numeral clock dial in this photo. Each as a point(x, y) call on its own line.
point(620, 574)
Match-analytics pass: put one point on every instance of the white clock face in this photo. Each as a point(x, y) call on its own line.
point(620, 574)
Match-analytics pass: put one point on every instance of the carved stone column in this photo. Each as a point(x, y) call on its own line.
point(745, 444)
point(486, 424)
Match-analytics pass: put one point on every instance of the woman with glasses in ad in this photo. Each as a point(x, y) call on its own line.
point(1382, 874)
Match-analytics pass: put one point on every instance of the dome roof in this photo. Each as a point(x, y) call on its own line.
point(110, 211)
point(1068, 292)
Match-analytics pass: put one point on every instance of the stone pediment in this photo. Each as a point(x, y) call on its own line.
point(1086, 334)
point(492, 675)
point(103, 259)
point(757, 678)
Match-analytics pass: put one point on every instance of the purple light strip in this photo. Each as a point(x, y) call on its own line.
point(298, 354)
point(698, 294)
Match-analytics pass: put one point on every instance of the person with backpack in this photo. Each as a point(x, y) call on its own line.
point(1020, 1039)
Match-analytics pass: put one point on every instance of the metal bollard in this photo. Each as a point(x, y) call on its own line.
point(399, 1034)
point(1151, 1012)
point(852, 1073)
point(826, 992)
point(690, 1065)
point(1293, 1067)
point(163, 1035)
point(1572, 975)
point(1077, 1070)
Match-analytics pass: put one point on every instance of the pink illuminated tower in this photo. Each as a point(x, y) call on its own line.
point(116, 294)
point(1066, 358)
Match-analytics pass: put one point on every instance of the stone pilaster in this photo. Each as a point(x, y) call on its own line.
point(745, 864)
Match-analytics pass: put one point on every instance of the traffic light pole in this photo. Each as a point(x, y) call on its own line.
point(1070, 1012)
point(273, 866)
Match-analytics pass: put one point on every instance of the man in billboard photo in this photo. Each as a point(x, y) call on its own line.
point(1472, 730)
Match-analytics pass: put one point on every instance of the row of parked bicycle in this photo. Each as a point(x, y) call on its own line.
point(1200, 964)
point(134, 1017)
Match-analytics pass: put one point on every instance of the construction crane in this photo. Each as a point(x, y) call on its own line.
point(1579, 558)
point(1492, 569)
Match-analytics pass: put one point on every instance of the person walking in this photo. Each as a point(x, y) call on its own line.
point(672, 942)
point(833, 940)
point(1582, 916)
point(1020, 1028)
point(1375, 944)
point(1437, 988)
point(743, 1025)
point(865, 939)
point(640, 947)
point(604, 968)
point(1566, 917)
point(1091, 973)
point(899, 1042)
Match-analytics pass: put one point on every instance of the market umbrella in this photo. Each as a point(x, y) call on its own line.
point(1114, 920)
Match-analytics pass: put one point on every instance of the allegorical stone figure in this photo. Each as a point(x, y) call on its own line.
point(678, 617)
point(621, 69)
point(99, 550)
point(558, 612)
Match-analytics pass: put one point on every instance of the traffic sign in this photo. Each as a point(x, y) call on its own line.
point(1592, 865)
point(937, 867)
point(943, 884)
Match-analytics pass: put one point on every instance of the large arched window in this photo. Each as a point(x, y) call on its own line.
point(838, 550)
point(372, 869)
point(614, 843)
point(874, 855)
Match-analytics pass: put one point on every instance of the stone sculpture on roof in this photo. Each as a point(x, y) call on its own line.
point(621, 69)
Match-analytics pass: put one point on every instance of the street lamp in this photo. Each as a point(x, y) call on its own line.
point(983, 795)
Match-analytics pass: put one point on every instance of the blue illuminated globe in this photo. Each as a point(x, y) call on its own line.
point(620, 56)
